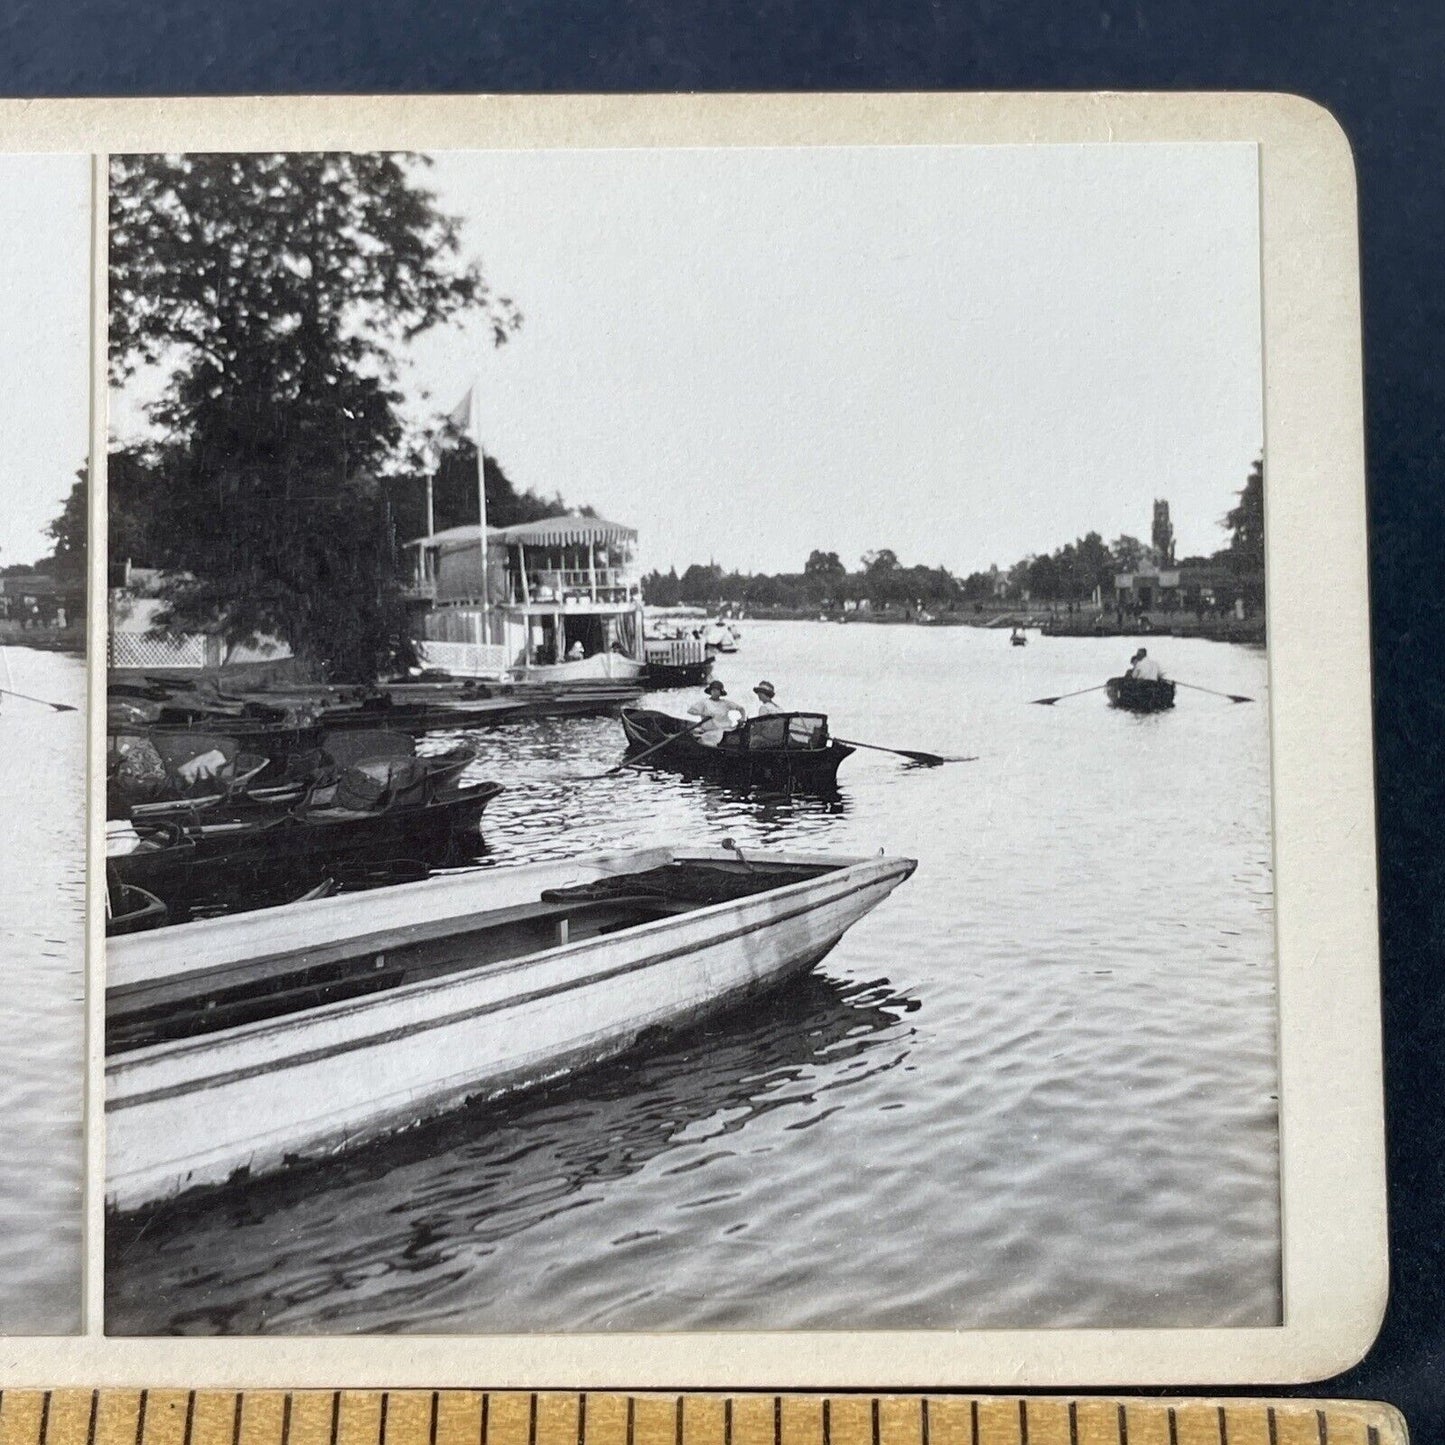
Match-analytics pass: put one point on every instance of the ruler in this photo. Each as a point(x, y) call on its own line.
point(465, 1417)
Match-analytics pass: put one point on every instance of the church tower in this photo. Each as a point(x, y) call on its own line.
point(1163, 537)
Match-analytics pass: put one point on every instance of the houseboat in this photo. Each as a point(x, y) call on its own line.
point(559, 600)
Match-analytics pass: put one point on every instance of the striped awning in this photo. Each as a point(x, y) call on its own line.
point(549, 532)
point(566, 532)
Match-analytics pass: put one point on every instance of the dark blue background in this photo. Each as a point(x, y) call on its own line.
point(1378, 67)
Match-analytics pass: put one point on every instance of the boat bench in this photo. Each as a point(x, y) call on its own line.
point(127, 999)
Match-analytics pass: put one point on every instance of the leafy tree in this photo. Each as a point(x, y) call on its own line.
point(275, 291)
point(70, 532)
point(660, 590)
point(1043, 578)
point(1245, 524)
point(454, 496)
point(700, 585)
point(1095, 565)
point(1129, 553)
point(824, 564)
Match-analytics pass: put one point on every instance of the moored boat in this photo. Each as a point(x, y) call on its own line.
point(237, 1045)
point(789, 750)
point(220, 862)
point(676, 662)
point(1140, 694)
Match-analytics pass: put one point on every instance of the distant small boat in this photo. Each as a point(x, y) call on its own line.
point(236, 1046)
point(1140, 694)
point(1018, 639)
point(676, 662)
point(722, 637)
point(789, 751)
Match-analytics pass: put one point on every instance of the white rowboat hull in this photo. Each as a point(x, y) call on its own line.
point(247, 1100)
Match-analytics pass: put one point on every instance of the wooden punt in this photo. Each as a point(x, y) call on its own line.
point(237, 1045)
point(788, 751)
point(1140, 694)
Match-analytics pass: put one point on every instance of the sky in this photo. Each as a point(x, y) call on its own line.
point(966, 354)
point(45, 342)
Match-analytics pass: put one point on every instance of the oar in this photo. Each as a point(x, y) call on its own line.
point(45, 702)
point(638, 757)
point(1232, 696)
point(928, 760)
point(1049, 701)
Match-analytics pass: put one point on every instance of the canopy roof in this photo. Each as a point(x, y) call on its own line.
point(549, 532)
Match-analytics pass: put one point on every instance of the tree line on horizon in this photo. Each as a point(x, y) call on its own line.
point(1069, 574)
point(275, 294)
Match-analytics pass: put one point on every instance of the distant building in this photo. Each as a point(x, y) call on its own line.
point(39, 598)
point(1178, 589)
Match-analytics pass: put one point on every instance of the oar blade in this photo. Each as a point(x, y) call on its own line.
point(1044, 701)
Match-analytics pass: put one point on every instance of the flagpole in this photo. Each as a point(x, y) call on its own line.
point(475, 422)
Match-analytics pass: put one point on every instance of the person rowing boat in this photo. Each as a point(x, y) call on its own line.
point(1143, 668)
point(717, 716)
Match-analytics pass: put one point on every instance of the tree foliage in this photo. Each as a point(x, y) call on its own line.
point(70, 531)
point(275, 292)
point(1245, 523)
point(454, 496)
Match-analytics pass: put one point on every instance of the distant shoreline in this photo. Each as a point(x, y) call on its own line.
point(43, 639)
point(1250, 631)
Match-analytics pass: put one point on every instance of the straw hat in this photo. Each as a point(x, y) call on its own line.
point(716, 688)
point(765, 689)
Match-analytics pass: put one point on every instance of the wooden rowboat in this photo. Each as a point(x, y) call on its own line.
point(789, 751)
point(1140, 694)
point(237, 1045)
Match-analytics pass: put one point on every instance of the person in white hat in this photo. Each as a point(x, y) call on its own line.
point(717, 716)
point(765, 692)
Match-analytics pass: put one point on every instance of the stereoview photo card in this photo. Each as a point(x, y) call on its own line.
point(711, 741)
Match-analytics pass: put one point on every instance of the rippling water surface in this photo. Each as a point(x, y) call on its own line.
point(42, 1008)
point(1036, 1087)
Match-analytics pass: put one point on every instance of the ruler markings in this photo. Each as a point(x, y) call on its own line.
point(445, 1417)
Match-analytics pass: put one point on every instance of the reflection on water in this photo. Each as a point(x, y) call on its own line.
point(42, 947)
point(412, 1234)
point(1035, 1087)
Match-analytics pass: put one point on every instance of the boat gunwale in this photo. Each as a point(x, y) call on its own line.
point(899, 865)
point(388, 900)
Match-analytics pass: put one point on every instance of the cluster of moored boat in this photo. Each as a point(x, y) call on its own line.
point(244, 1038)
point(217, 802)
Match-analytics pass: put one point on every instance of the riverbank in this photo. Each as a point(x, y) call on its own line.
point(1250, 630)
point(69, 639)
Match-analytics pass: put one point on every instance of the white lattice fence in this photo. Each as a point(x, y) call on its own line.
point(463, 659)
point(135, 649)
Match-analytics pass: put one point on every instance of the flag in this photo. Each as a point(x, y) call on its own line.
point(463, 414)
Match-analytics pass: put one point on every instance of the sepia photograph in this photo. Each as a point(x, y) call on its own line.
point(688, 742)
point(44, 418)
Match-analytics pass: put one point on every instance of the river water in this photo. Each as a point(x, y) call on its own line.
point(1036, 1087)
point(42, 1005)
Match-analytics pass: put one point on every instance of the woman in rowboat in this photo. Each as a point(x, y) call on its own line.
point(765, 692)
point(718, 716)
